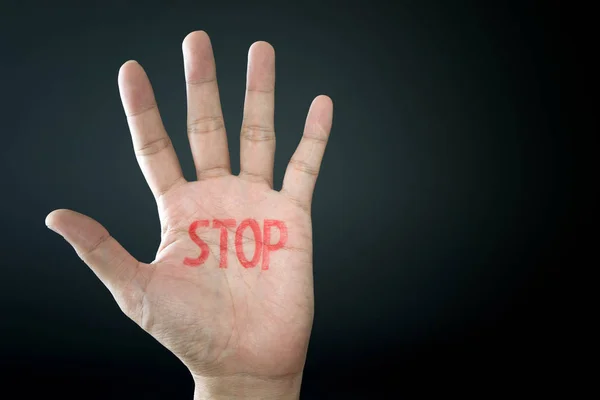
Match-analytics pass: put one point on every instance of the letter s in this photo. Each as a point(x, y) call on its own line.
point(204, 250)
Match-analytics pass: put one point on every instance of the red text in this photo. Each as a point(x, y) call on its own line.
point(261, 239)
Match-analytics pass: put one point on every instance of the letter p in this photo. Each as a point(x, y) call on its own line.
point(267, 246)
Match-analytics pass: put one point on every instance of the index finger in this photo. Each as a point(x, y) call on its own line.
point(153, 148)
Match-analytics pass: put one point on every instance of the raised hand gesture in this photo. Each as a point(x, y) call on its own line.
point(230, 291)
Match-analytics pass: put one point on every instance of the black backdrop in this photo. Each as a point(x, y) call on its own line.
point(441, 215)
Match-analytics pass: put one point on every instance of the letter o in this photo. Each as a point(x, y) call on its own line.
point(239, 245)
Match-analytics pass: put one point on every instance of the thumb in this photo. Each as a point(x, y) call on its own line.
point(115, 267)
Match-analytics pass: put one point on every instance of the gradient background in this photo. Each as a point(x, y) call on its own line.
point(441, 216)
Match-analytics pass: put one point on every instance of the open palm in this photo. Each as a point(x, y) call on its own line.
point(230, 291)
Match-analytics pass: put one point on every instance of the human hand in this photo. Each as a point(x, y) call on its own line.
point(230, 291)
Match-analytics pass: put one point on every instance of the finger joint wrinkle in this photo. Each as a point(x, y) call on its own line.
point(142, 110)
point(258, 133)
point(205, 125)
point(153, 147)
point(315, 138)
point(303, 166)
point(201, 82)
point(103, 239)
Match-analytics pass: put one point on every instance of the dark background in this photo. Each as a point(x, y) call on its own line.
point(441, 216)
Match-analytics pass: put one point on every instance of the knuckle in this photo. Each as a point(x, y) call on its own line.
point(153, 147)
point(204, 125)
point(258, 133)
point(143, 110)
point(201, 82)
point(304, 167)
point(96, 246)
point(213, 172)
point(255, 177)
point(268, 90)
point(314, 137)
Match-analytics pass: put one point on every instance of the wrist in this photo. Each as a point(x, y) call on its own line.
point(247, 387)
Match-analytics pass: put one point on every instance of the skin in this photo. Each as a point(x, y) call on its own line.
point(242, 332)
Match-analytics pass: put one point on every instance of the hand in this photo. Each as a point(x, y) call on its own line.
point(230, 291)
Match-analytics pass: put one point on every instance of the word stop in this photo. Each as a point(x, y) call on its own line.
point(262, 241)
